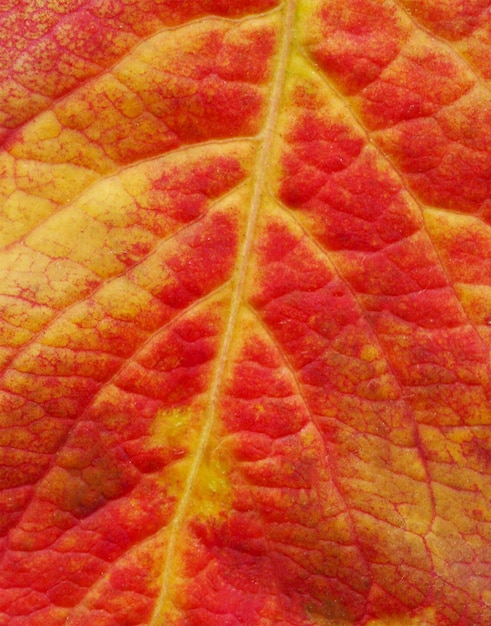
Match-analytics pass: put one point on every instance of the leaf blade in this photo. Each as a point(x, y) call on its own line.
point(339, 471)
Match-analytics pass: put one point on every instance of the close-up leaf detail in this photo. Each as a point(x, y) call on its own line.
point(245, 312)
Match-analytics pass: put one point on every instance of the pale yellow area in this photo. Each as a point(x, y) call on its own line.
point(20, 321)
point(42, 281)
point(181, 427)
point(425, 617)
point(113, 203)
point(66, 231)
point(384, 488)
point(21, 210)
point(460, 552)
point(29, 386)
point(7, 170)
point(18, 208)
point(87, 241)
point(76, 113)
point(476, 300)
point(458, 466)
point(123, 299)
point(63, 150)
point(37, 178)
point(46, 127)
point(112, 103)
point(12, 335)
point(47, 140)
point(77, 325)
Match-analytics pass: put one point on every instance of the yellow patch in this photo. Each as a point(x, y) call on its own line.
point(181, 428)
point(422, 618)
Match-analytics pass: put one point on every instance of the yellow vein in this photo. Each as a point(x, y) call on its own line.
point(259, 183)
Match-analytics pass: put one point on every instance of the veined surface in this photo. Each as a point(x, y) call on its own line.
point(245, 306)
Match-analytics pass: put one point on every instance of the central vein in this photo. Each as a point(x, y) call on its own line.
point(259, 179)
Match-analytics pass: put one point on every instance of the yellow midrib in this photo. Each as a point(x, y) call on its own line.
point(259, 179)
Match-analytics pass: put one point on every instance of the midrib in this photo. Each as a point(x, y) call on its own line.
point(259, 178)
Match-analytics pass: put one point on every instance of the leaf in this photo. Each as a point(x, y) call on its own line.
point(245, 299)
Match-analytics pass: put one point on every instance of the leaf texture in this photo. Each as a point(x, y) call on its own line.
point(245, 309)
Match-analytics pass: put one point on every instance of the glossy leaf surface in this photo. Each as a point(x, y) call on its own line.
point(245, 310)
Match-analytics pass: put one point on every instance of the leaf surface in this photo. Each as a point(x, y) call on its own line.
point(245, 306)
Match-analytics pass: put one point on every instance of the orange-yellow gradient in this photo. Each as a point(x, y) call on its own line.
point(245, 313)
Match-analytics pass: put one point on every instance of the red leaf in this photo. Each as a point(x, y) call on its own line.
point(245, 306)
